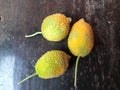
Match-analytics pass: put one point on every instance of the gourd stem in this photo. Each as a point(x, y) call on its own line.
point(69, 19)
point(28, 77)
point(76, 70)
point(32, 35)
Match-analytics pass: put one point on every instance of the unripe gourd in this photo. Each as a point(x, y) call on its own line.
point(80, 41)
point(52, 64)
point(54, 27)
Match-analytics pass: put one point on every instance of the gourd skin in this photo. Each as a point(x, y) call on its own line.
point(52, 64)
point(55, 27)
point(81, 39)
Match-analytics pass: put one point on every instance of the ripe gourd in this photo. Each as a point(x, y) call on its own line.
point(80, 41)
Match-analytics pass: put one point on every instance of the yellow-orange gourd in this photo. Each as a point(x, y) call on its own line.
point(80, 41)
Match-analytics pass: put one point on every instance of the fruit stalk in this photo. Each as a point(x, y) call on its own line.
point(76, 70)
point(32, 35)
point(28, 77)
point(69, 19)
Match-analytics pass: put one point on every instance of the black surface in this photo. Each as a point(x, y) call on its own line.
point(98, 71)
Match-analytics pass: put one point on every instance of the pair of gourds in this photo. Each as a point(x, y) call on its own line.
point(55, 28)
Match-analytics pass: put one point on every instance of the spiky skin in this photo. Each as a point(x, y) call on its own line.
point(55, 27)
point(81, 39)
point(52, 64)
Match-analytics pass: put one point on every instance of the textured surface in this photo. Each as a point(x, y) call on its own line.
point(55, 27)
point(98, 71)
point(81, 38)
point(52, 64)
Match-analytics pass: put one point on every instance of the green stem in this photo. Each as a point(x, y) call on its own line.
point(28, 77)
point(34, 34)
point(76, 70)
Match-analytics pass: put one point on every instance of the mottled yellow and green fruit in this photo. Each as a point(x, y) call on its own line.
point(52, 64)
point(55, 27)
point(81, 39)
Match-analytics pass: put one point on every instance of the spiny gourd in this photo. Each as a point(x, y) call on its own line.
point(80, 41)
point(52, 64)
point(54, 27)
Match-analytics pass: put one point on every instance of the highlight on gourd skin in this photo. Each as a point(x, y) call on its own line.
point(52, 64)
point(54, 27)
point(80, 42)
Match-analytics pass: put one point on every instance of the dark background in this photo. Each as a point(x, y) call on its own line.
point(100, 70)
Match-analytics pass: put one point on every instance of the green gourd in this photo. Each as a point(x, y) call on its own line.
point(54, 27)
point(52, 64)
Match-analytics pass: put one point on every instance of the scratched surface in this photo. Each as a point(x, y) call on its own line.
point(98, 71)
